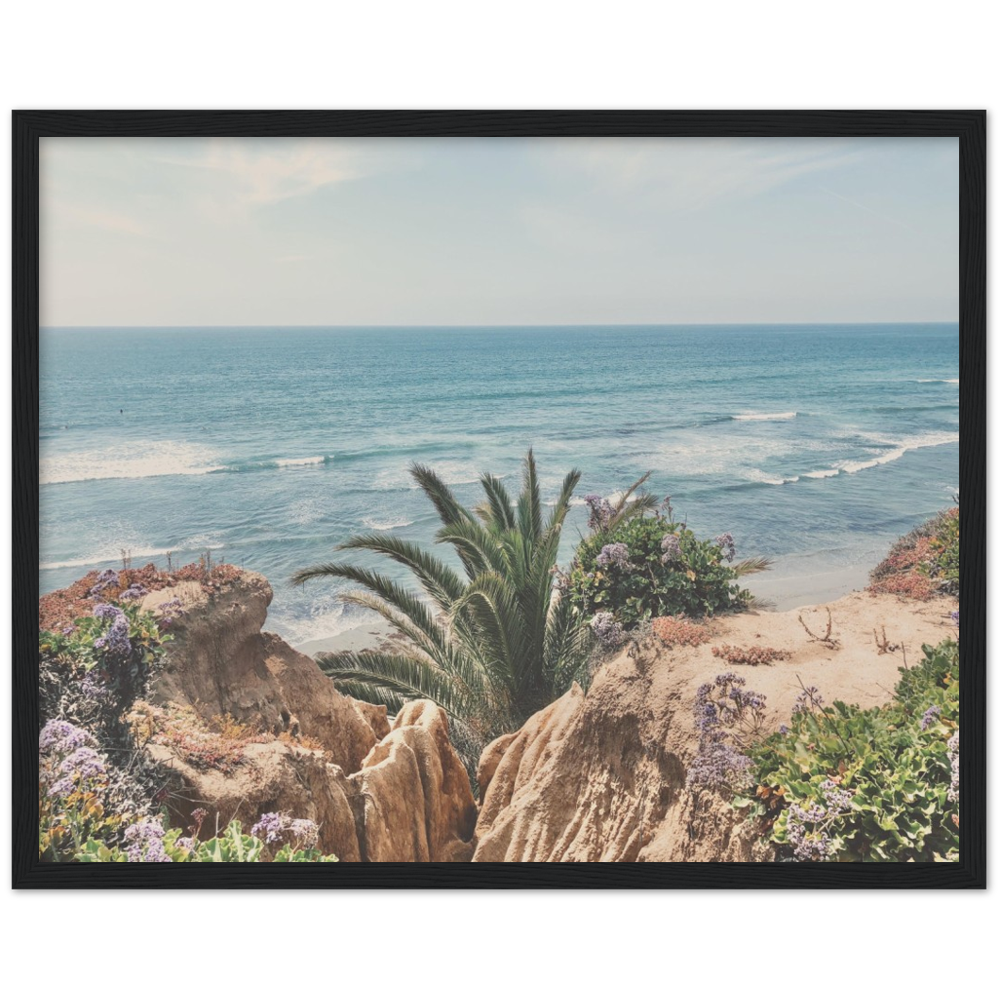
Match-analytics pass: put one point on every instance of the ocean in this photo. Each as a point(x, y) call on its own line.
point(814, 445)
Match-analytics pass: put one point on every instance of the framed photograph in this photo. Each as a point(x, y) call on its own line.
point(423, 496)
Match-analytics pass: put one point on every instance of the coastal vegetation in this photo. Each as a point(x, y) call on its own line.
point(100, 795)
point(881, 784)
point(923, 562)
point(652, 566)
point(491, 645)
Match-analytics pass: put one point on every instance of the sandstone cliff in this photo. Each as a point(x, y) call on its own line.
point(378, 793)
point(601, 776)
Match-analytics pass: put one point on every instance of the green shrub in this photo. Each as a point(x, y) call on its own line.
point(663, 570)
point(943, 566)
point(879, 784)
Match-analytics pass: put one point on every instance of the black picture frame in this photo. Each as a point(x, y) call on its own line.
point(970, 129)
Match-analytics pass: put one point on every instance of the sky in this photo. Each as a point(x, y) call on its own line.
point(492, 231)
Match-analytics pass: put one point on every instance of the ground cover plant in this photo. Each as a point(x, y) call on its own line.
point(922, 563)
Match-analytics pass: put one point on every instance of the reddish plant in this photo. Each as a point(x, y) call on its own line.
point(679, 632)
point(752, 656)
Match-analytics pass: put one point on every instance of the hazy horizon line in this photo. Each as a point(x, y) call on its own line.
point(480, 326)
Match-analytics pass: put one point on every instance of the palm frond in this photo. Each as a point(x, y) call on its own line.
point(529, 504)
point(476, 545)
point(403, 678)
point(756, 564)
point(498, 509)
point(449, 509)
point(442, 584)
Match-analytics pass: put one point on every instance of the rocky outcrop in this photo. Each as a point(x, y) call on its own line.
point(377, 792)
point(417, 796)
point(410, 801)
point(271, 777)
point(220, 663)
point(602, 776)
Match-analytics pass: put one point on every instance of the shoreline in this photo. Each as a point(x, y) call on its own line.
point(790, 593)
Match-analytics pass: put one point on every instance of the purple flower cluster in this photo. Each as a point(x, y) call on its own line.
point(82, 768)
point(671, 549)
point(608, 629)
point(109, 578)
point(269, 827)
point(95, 687)
point(615, 554)
point(601, 511)
point(809, 698)
point(300, 833)
point(728, 545)
point(809, 828)
point(170, 610)
point(60, 737)
point(954, 618)
point(304, 833)
point(719, 765)
point(116, 640)
point(953, 760)
point(134, 593)
point(932, 714)
point(144, 842)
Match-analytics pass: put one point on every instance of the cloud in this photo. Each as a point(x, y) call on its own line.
point(698, 173)
point(101, 218)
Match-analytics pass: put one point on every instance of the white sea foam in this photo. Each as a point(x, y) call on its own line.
point(911, 444)
point(940, 381)
point(134, 460)
point(822, 474)
point(146, 459)
point(760, 476)
point(765, 416)
point(386, 524)
point(315, 460)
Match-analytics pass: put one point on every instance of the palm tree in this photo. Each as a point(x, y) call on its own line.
point(492, 646)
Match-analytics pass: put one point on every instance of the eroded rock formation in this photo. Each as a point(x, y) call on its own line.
point(378, 793)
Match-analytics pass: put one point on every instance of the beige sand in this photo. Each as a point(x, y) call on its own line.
point(853, 671)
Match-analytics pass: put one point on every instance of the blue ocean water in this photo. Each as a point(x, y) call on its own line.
point(815, 445)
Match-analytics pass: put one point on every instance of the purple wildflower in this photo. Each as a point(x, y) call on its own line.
point(728, 545)
point(109, 578)
point(719, 766)
point(954, 618)
point(95, 687)
point(269, 827)
point(671, 549)
point(719, 715)
point(601, 511)
point(615, 554)
point(144, 841)
point(170, 610)
point(304, 833)
point(808, 699)
point(934, 712)
point(69, 630)
point(808, 827)
point(783, 730)
point(608, 630)
point(134, 593)
point(61, 737)
point(84, 766)
point(116, 640)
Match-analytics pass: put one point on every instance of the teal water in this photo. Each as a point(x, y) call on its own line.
point(816, 445)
